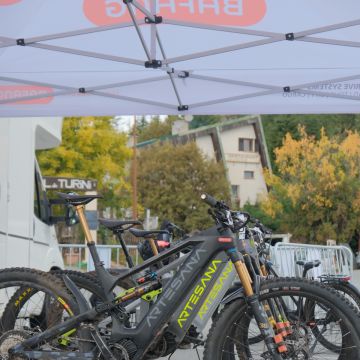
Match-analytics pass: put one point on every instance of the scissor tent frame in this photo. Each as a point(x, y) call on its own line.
point(159, 64)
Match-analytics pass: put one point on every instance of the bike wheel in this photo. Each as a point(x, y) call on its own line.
point(348, 290)
point(43, 302)
point(87, 283)
point(352, 296)
point(229, 336)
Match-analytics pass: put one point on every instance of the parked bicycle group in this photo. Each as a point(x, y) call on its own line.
point(220, 277)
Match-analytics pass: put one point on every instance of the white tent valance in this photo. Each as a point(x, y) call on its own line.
point(115, 57)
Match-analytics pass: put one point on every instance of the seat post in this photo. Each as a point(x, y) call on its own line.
point(80, 211)
point(124, 247)
point(104, 276)
point(153, 246)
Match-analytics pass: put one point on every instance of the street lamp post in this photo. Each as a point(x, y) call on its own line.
point(134, 174)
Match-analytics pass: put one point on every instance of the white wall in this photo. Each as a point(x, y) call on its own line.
point(240, 161)
point(206, 145)
point(230, 138)
point(27, 241)
point(47, 132)
point(20, 190)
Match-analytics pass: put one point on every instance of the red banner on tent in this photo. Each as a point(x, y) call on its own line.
point(9, 92)
point(214, 12)
point(8, 2)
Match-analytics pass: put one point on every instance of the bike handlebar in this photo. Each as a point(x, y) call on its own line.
point(220, 207)
point(209, 200)
point(224, 215)
point(261, 226)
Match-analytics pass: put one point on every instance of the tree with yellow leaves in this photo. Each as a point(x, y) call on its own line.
point(316, 193)
point(92, 147)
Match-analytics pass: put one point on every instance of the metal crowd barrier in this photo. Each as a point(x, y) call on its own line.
point(77, 256)
point(335, 260)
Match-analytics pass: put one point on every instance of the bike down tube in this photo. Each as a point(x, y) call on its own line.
point(195, 307)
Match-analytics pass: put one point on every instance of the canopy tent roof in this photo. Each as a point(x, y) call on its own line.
point(107, 57)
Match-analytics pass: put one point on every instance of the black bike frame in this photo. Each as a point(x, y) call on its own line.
point(198, 269)
point(205, 248)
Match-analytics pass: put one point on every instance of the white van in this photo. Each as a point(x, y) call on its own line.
point(27, 239)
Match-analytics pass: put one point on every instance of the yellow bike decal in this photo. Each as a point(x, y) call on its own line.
point(198, 292)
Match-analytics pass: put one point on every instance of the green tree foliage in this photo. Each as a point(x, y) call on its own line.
point(155, 128)
point(277, 126)
point(256, 211)
point(92, 148)
point(316, 192)
point(171, 180)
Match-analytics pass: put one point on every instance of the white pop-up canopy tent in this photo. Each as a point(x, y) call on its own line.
point(106, 57)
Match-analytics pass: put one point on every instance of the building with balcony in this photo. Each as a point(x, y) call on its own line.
point(240, 144)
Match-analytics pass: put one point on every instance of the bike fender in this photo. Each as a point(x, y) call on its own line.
point(354, 288)
point(233, 294)
point(80, 299)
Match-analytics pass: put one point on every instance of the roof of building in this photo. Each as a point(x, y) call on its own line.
point(214, 130)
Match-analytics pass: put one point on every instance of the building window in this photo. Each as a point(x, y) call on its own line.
point(40, 199)
point(256, 146)
point(248, 174)
point(249, 145)
point(36, 199)
point(235, 195)
point(235, 191)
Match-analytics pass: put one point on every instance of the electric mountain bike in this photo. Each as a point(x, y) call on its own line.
point(323, 329)
point(168, 320)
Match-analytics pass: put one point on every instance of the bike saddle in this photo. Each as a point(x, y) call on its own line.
point(119, 225)
point(75, 199)
point(308, 264)
point(146, 233)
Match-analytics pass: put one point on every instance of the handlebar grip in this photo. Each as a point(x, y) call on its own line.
point(209, 200)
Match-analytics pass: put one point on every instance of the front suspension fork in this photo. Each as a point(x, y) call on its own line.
point(275, 343)
point(282, 324)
